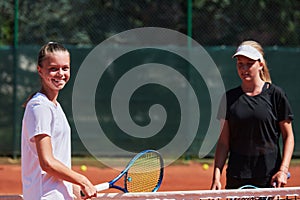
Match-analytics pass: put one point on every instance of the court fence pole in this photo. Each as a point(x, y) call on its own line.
point(190, 21)
point(15, 76)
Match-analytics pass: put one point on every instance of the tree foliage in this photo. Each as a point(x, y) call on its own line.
point(215, 22)
point(273, 22)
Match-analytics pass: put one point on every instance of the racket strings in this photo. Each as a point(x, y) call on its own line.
point(144, 174)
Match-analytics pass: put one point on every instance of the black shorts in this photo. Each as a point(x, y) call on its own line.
point(235, 183)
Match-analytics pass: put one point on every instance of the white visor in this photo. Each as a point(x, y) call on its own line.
point(249, 52)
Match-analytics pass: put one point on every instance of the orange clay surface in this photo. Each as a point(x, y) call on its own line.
point(179, 177)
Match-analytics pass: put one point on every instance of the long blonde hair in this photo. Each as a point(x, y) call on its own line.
point(50, 47)
point(264, 73)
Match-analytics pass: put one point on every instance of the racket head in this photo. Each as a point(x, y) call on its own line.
point(144, 172)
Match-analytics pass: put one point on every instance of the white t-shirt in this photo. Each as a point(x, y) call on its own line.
point(44, 117)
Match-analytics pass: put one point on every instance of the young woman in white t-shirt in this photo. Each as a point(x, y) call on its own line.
point(46, 135)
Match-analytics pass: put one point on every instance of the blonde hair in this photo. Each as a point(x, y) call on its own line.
point(50, 47)
point(264, 73)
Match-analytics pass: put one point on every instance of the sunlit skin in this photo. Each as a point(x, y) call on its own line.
point(54, 73)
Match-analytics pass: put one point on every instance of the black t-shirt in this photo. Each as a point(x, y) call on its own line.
point(254, 130)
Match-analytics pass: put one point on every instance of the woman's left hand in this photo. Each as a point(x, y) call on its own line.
point(279, 179)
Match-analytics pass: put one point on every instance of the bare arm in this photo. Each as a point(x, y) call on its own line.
point(220, 156)
point(57, 169)
point(280, 178)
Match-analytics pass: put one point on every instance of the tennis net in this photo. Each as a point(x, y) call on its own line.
point(287, 193)
point(11, 197)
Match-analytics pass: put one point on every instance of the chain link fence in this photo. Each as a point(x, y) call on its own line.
point(209, 22)
point(218, 25)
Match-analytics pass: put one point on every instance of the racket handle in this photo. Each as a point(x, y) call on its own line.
point(102, 186)
point(99, 187)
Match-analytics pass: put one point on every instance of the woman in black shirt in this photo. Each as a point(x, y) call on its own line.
point(253, 116)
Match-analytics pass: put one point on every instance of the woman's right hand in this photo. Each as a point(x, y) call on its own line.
point(216, 185)
point(88, 189)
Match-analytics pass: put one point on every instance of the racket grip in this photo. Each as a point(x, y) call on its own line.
point(102, 186)
point(99, 187)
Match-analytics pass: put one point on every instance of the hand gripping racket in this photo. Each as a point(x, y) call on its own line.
point(144, 173)
point(254, 187)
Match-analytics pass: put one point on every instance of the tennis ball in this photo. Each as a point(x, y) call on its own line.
point(83, 168)
point(205, 166)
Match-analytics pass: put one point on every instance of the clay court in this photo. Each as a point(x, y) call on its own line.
point(188, 175)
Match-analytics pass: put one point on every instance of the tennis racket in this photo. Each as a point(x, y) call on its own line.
point(254, 187)
point(144, 173)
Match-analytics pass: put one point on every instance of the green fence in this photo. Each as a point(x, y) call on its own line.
point(283, 63)
point(219, 25)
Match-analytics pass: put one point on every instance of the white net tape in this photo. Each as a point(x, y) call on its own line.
point(260, 194)
point(245, 194)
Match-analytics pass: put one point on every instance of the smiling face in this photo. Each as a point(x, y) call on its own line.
point(55, 70)
point(248, 69)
